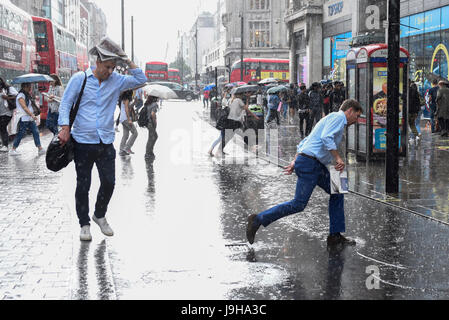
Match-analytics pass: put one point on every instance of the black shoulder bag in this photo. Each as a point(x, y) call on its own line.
point(59, 157)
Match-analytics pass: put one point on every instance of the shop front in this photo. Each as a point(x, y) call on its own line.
point(367, 77)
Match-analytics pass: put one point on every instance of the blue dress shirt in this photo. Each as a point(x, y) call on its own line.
point(325, 137)
point(94, 122)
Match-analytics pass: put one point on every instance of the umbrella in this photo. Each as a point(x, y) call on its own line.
point(277, 89)
point(244, 89)
point(31, 78)
point(209, 87)
point(161, 92)
point(269, 80)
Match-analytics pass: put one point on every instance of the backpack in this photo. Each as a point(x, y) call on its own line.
point(11, 103)
point(142, 119)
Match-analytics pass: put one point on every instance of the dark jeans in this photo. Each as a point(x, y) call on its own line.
point(303, 123)
point(311, 173)
point(103, 156)
point(52, 122)
point(152, 138)
point(22, 130)
point(230, 125)
point(314, 117)
point(4, 121)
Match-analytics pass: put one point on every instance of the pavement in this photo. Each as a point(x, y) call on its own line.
point(180, 223)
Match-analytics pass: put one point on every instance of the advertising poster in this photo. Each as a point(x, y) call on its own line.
point(379, 111)
point(10, 50)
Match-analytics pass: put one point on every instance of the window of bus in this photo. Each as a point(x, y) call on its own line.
point(259, 35)
point(11, 21)
point(156, 67)
point(40, 33)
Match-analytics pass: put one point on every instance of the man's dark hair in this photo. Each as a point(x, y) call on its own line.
point(303, 87)
point(351, 104)
point(434, 81)
point(3, 84)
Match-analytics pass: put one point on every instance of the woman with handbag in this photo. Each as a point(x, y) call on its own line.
point(221, 115)
point(55, 94)
point(7, 94)
point(127, 118)
point(27, 113)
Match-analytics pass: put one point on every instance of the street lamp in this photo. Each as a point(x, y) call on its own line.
point(241, 44)
point(123, 25)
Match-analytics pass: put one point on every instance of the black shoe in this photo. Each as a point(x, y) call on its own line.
point(251, 228)
point(338, 239)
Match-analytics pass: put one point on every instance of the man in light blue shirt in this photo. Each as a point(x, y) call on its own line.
point(315, 153)
point(93, 134)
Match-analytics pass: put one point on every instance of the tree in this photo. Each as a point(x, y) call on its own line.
point(182, 66)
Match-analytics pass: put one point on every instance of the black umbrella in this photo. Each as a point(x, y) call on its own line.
point(245, 89)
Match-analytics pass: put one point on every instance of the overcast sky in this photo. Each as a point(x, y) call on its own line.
point(156, 24)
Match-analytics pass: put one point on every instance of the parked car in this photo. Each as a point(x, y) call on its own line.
point(183, 93)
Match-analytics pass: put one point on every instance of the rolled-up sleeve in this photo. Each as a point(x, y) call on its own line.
point(137, 78)
point(330, 132)
point(69, 98)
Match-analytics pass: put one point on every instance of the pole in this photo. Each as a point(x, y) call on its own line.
point(241, 49)
point(132, 38)
point(196, 54)
point(182, 60)
point(123, 25)
point(392, 156)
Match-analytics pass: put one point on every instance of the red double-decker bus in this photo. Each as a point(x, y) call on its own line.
point(17, 44)
point(174, 75)
point(82, 57)
point(156, 71)
point(255, 70)
point(57, 49)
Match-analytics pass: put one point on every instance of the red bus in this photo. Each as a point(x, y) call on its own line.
point(156, 71)
point(17, 44)
point(57, 50)
point(269, 68)
point(82, 57)
point(174, 75)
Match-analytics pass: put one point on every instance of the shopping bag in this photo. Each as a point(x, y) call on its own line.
point(339, 181)
point(280, 107)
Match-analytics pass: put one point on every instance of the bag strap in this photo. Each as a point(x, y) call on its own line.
point(75, 108)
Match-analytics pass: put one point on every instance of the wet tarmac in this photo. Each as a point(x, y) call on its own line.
point(180, 224)
point(180, 232)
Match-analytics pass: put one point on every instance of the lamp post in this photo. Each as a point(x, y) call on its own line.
point(241, 46)
point(132, 38)
point(123, 25)
point(196, 54)
point(392, 154)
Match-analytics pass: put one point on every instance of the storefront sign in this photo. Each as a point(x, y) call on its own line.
point(372, 14)
point(10, 50)
point(336, 9)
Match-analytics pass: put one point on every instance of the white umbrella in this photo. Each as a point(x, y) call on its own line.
point(32, 78)
point(161, 92)
point(269, 80)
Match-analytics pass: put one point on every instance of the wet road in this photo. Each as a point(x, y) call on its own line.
point(180, 232)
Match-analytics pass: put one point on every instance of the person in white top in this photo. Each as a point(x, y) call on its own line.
point(126, 119)
point(28, 118)
point(236, 108)
point(55, 94)
point(7, 93)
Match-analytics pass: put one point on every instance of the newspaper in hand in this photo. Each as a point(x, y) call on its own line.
point(339, 181)
point(57, 99)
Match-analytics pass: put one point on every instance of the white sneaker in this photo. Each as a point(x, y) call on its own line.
point(4, 149)
point(104, 226)
point(13, 153)
point(418, 139)
point(41, 152)
point(85, 234)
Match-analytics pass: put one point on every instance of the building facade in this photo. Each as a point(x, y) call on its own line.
point(198, 42)
point(264, 31)
point(304, 20)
